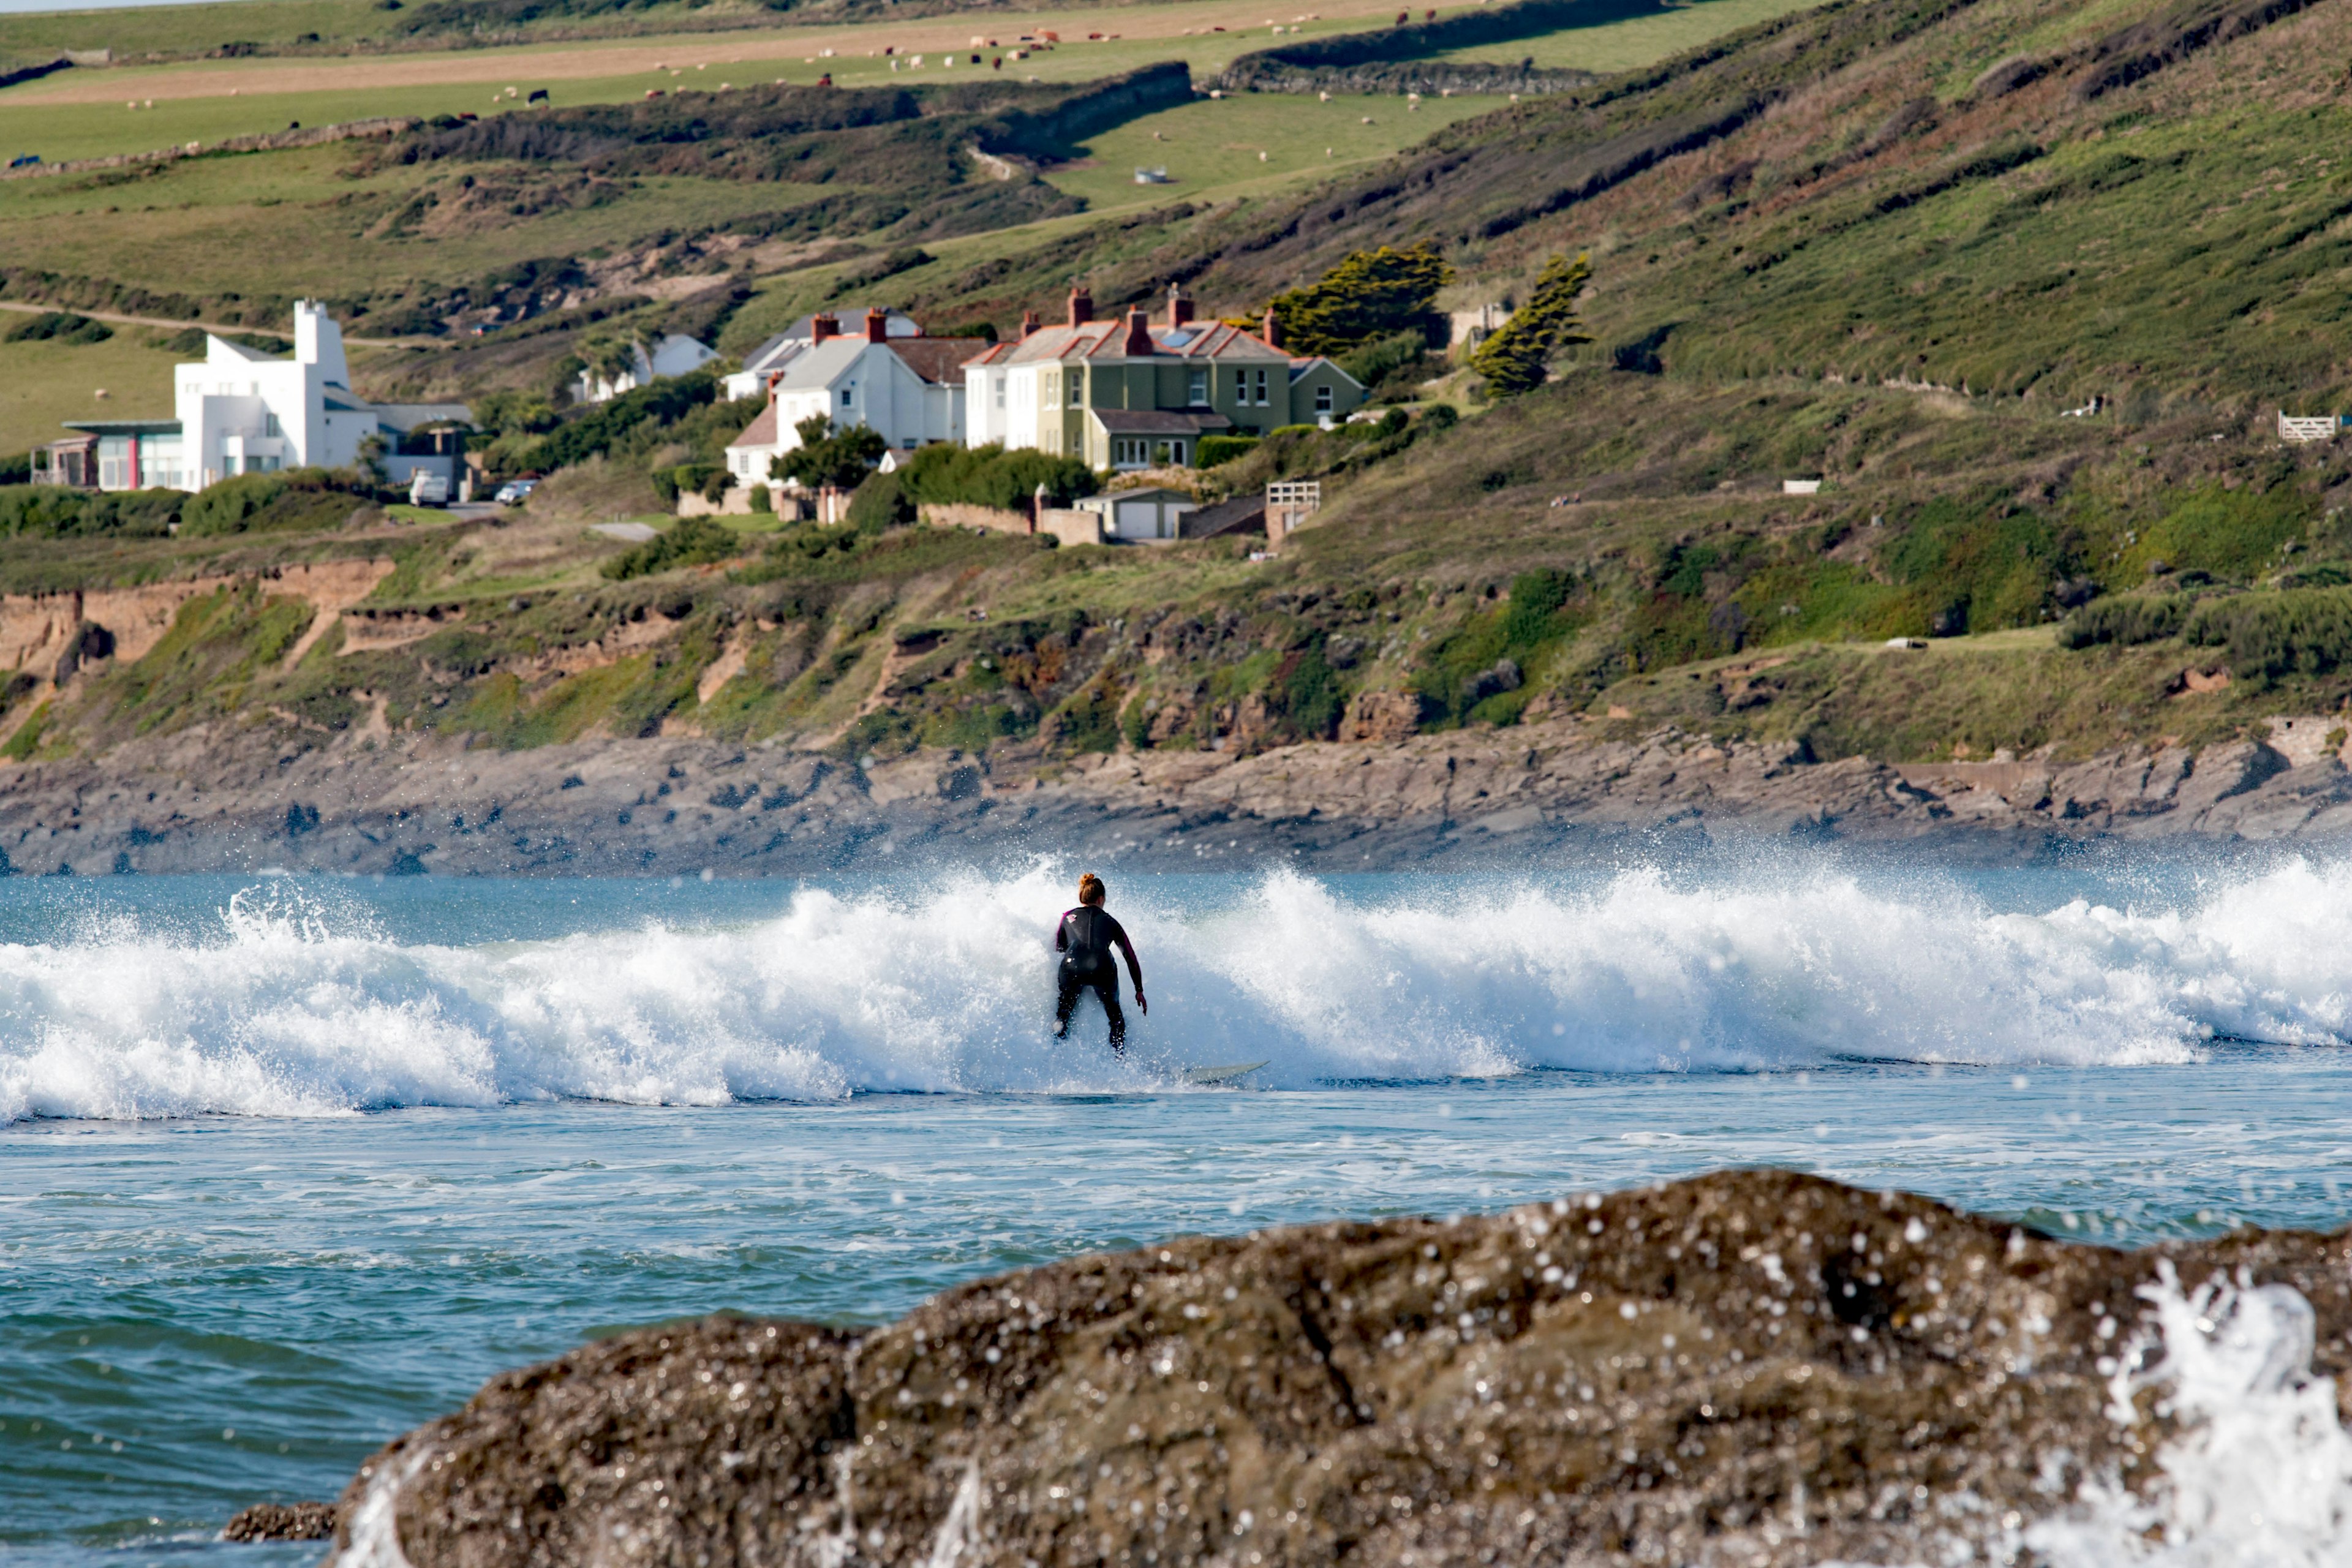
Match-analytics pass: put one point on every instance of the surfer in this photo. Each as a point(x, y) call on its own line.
point(1085, 938)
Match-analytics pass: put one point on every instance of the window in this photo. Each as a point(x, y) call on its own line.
point(849, 395)
point(1200, 387)
point(1262, 398)
point(1000, 392)
point(269, 426)
point(1077, 390)
point(1322, 400)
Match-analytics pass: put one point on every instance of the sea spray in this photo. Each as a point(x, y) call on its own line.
point(2259, 1473)
point(292, 1003)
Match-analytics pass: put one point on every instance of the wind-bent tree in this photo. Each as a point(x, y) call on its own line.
point(1517, 357)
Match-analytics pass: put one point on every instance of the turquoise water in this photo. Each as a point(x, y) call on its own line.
point(289, 1166)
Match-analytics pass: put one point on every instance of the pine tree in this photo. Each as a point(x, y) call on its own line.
point(1369, 295)
point(1517, 357)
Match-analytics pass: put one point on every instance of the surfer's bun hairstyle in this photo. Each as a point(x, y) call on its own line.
point(1090, 889)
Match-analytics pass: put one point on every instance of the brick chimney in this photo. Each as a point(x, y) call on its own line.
point(1138, 334)
point(1180, 306)
point(1272, 331)
point(878, 327)
point(775, 379)
point(1082, 307)
point(1028, 322)
point(823, 325)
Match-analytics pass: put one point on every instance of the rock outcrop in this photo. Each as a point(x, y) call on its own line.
point(240, 795)
point(1744, 1368)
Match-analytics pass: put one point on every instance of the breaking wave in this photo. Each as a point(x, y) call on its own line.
point(280, 1009)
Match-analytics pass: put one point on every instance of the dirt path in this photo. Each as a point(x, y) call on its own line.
point(573, 62)
point(211, 326)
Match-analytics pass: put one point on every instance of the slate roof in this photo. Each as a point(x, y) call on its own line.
point(761, 431)
point(1159, 421)
point(935, 360)
point(1107, 341)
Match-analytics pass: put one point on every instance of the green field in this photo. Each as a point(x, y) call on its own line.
point(187, 30)
point(44, 384)
point(1629, 46)
point(1213, 149)
point(58, 132)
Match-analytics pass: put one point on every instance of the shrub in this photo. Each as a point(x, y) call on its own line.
point(2303, 631)
point(60, 326)
point(763, 500)
point(689, 542)
point(881, 502)
point(1377, 360)
point(1216, 449)
point(16, 470)
point(50, 511)
point(944, 474)
point(2127, 619)
point(294, 497)
point(828, 456)
point(664, 402)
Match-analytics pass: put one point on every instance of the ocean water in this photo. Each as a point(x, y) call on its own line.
point(288, 1164)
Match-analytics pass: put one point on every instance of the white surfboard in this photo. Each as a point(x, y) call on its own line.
point(1226, 1074)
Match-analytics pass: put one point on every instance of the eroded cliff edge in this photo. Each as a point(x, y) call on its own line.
point(1747, 1367)
point(237, 797)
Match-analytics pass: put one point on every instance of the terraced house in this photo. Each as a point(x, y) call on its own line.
point(1127, 394)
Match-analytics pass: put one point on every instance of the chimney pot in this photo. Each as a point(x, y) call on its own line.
point(1138, 334)
point(823, 325)
point(1028, 322)
point(1272, 333)
point(1180, 307)
point(1082, 307)
point(878, 327)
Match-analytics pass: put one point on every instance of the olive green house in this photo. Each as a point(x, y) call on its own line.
point(1129, 393)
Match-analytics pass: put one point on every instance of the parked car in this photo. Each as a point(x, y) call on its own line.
point(26, 162)
point(514, 492)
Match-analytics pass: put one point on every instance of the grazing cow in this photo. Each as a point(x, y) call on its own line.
point(538, 94)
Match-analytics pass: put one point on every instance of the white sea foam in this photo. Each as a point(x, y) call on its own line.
point(2261, 1473)
point(939, 986)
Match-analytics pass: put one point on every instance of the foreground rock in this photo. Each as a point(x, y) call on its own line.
point(233, 797)
point(1747, 1368)
point(282, 1522)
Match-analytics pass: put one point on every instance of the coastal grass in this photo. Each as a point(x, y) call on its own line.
point(190, 226)
point(43, 383)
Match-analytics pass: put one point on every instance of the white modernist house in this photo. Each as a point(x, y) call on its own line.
point(242, 412)
point(910, 389)
point(674, 354)
point(762, 363)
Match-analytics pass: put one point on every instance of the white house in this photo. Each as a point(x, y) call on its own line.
point(910, 389)
point(673, 355)
point(780, 351)
point(241, 412)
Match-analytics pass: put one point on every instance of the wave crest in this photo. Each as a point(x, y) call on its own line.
point(284, 1009)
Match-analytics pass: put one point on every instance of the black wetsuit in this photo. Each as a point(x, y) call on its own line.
point(1085, 940)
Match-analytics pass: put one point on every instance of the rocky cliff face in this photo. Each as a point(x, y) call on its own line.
point(1749, 1368)
point(239, 795)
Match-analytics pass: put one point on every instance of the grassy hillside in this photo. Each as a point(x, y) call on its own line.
point(1887, 244)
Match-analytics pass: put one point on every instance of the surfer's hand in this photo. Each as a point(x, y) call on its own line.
point(1141, 1003)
